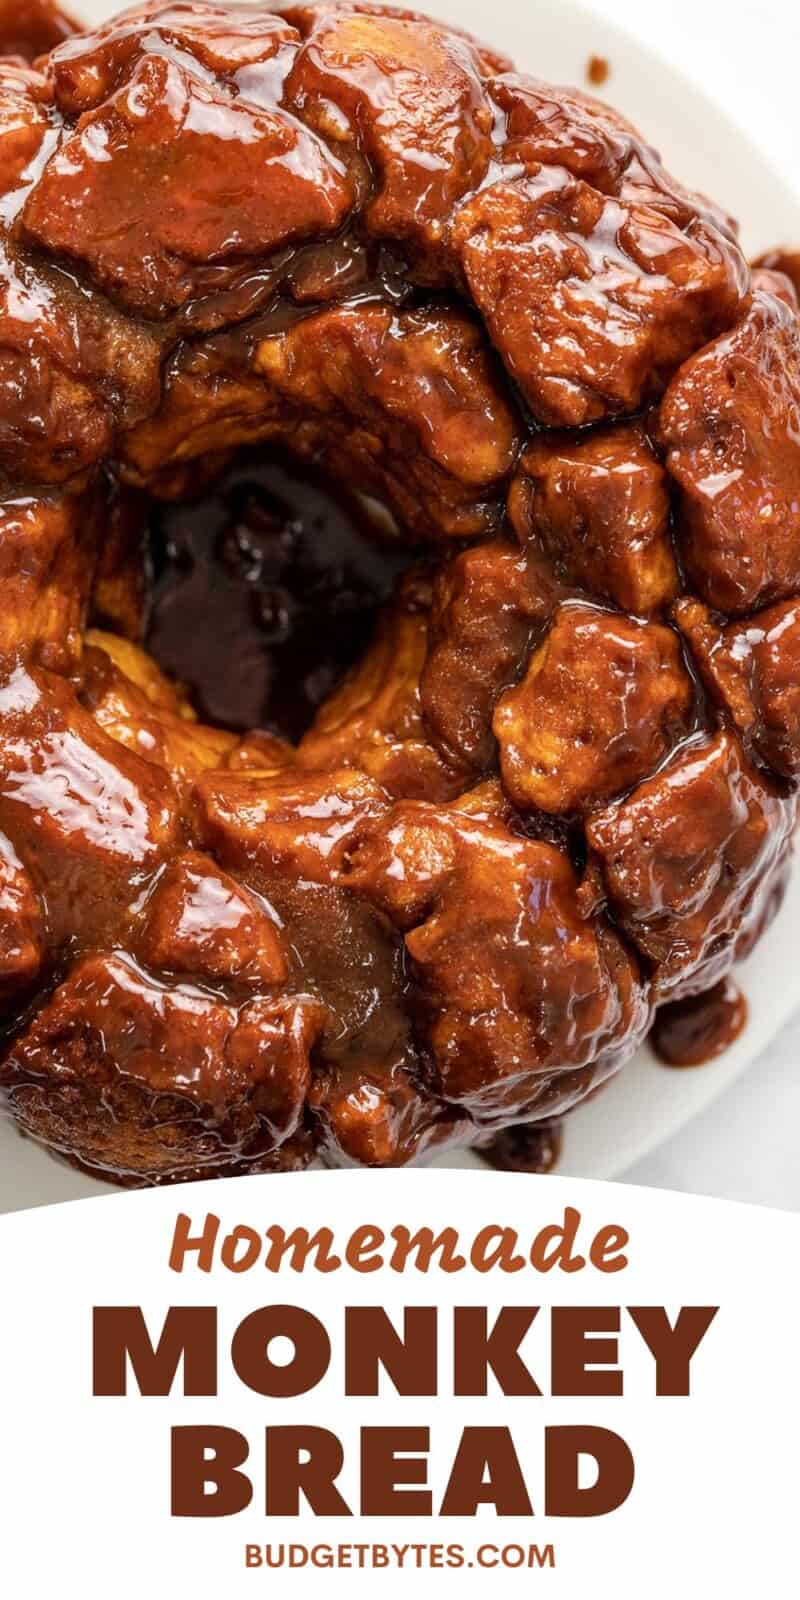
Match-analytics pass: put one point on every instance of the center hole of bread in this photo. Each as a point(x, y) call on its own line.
point(265, 591)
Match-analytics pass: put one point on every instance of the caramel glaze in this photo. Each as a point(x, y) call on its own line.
point(544, 786)
point(597, 70)
point(698, 1029)
point(28, 28)
point(786, 263)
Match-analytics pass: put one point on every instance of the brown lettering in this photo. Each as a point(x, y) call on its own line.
point(360, 1251)
point(615, 1472)
point(606, 1247)
point(288, 1477)
point(384, 1470)
point(425, 1244)
point(495, 1247)
point(554, 1246)
point(372, 1341)
point(251, 1358)
point(577, 1358)
point(203, 1243)
point(299, 1246)
point(486, 1471)
point(203, 1456)
point(477, 1350)
point(120, 1336)
point(237, 1260)
point(673, 1348)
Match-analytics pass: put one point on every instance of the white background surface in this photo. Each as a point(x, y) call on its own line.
point(747, 1145)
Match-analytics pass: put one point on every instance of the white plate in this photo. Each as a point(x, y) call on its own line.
point(703, 146)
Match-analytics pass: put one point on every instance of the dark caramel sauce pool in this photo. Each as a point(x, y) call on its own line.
point(533, 1147)
point(266, 591)
point(691, 1032)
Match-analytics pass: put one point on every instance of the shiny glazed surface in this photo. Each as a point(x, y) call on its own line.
point(694, 1031)
point(539, 805)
